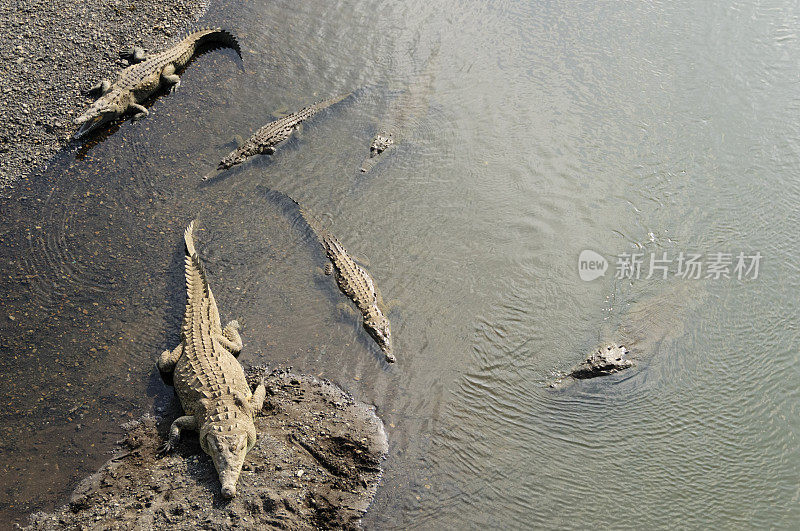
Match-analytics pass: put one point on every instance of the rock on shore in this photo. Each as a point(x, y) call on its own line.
point(52, 51)
point(316, 464)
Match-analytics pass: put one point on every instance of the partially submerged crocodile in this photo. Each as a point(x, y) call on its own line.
point(265, 139)
point(606, 359)
point(355, 282)
point(408, 107)
point(141, 80)
point(209, 381)
point(644, 326)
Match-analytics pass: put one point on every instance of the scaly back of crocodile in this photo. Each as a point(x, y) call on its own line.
point(353, 279)
point(274, 133)
point(178, 55)
point(206, 370)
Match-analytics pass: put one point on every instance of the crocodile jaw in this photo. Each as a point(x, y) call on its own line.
point(227, 450)
point(90, 122)
point(105, 109)
point(379, 330)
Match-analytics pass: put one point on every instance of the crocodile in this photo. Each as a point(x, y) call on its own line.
point(647, 323)
point(209, 381)
point(265, 139)
point(355, 282)
point(608, 358)
point(358, 285)
point(136, 83)
point(603, 361)
point(407, 108)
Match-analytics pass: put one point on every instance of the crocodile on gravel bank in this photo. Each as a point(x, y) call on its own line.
point(265, 139)
point(407, 108)
point(141, 80)
point(209, 381)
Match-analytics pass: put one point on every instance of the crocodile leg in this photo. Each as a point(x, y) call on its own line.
point(230, 339)
point(186, 422)
point(169, 77)
point(101, 88)
point(138, 55)
point(167, 360)
point(133, 55)
point(141, 112)
point(257, 400)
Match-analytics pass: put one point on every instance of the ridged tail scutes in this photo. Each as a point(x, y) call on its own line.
point(307, 225)
point(216, 37)
point(193, 264)
point(312, 223)
point(188, 238)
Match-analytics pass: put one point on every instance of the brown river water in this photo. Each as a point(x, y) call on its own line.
point(548, 128)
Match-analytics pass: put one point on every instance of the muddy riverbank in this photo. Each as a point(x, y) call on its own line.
point(53, 51)
point(317, 463)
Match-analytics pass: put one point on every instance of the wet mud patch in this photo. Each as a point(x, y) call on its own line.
point(317, 463)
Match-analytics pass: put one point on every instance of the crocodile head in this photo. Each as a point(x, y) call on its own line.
point(378, 328)
point(380, 143)
point(607, 359)
point(227, 449)
point(105, 109)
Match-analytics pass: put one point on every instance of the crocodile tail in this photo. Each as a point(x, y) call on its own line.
point(327, 103)
point(216, 37)
point(193, 264)
point(197, 288)
point(188, 238)
point(307, 223)
point(312, 223)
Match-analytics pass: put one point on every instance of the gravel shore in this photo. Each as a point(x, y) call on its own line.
point(52, 51)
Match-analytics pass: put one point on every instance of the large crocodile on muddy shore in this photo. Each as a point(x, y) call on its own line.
point(209, 381)
point(409, 107)
point(265, 139)
point(145, 77)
